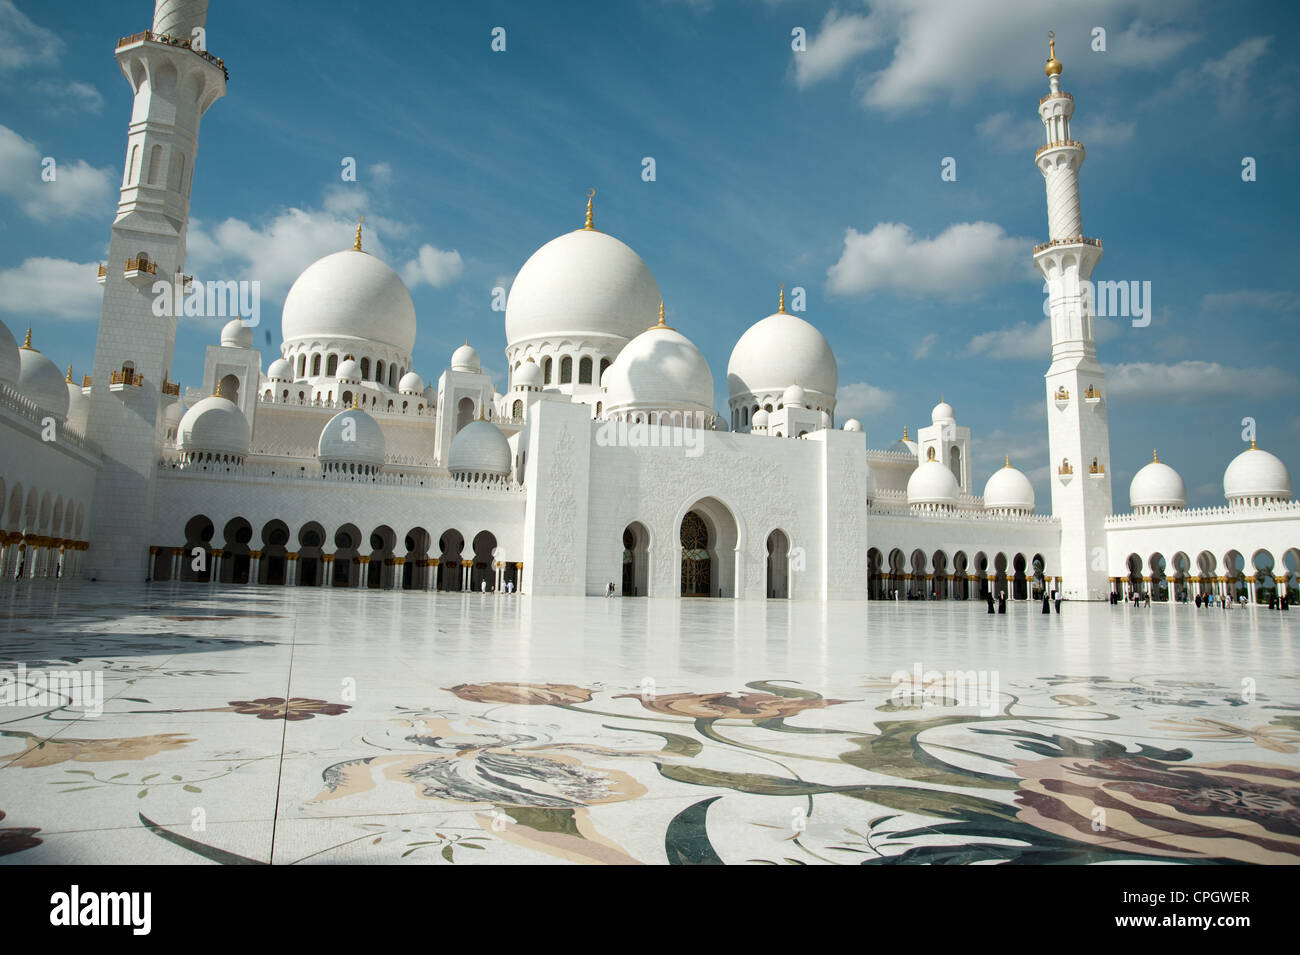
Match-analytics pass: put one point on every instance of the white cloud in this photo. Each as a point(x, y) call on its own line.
point(1022, 340)
point(434, 267)
point(51, 288)
point(952, 49)
point(381, 172)
point(842, 38)
point(1009, 133)
point(861, 400)
point(77, 188)
point(964, 258)
point(1230, 73)
point(925, 345)
point(1100, 132)
point(23, 43)
point(59, 96)
point(1196, 379)
point(1252, 300)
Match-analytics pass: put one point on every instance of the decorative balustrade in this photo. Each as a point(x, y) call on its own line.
point(142, 265)
point(266, 471)
point(1057, 95)
point(1057, 145)
point(1065, 468)
point(171, 388)
point(1075, 240)
point(1222, 514)
point(85, 381)
point(102, 271)
point(126, 378)
point(20, 404)
point(176, 41)
point(1091, 394)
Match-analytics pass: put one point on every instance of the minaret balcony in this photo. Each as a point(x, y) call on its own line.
point(1057, 95)
point(1092, 396)
point(120, 380)
point(1061, 398)
point(1059, 144)
point(1096, 471)
point(176, 41)
point(101, 274)
point(1073, 240)
point(1065, 472)
point(141, 272)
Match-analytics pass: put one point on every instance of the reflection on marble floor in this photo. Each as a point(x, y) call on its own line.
point(255, 725)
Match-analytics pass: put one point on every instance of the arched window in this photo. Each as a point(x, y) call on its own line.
point(133, 167)
point(315, 364)
point(518, 410)
point(302, 366)
point(546, 371)
point(155, 164)
point(365, 368)
point(584, 371)
point(392, 376)
point(347, 398)
point(331, 364)
point(604, 363)
point(379, 371)
point(566, 370)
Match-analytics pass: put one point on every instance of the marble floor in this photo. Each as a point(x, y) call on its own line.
point(254, 725)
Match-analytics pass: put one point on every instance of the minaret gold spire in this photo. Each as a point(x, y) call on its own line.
point(780, 302)
point(1053, 67)
point(590, 225)
point(356, 246)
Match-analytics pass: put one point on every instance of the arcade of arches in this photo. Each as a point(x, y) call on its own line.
point(310, 557)
point(1180, 578)
point(894, 574)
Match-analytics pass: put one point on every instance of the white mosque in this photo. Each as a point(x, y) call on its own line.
point(603, 462)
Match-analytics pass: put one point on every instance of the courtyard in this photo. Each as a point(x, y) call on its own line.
point(256, 725)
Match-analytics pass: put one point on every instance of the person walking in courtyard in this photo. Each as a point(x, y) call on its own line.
point(989, 597)
point(1056, 599)
point(1046, 604)
point(1002, 602)
point(609, 592)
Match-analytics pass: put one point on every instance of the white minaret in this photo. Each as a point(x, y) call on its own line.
point(174, 81)
point(1076, 408)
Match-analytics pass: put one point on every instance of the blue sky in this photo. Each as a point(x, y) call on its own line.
point(818, 169)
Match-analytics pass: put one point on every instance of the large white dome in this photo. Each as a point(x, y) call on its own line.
point(932, 483)
point(350, 295)
point(41, 381)
point(351, 437)
point(1008, 489)
point(660, 369)
point(778, 351)
point(479, 448)
point(582, 283)
point(9, 363)
point(214, 424)
point(1156, 485)
point(1256, 474)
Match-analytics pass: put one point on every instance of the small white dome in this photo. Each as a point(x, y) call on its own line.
point(351, 437)
point(932, 483)
point(853, 424)
point(9, 363)
point(1008, 489)
point(583, 283)
point(348, 370)
point(411, 384)
point(759, 420)
point(780, 349)
point(1157, 485)
point(41, 381)
point(479, 448)
point(281, 370)
point(214, 424)
point(904, 444)
point(235, 334)
point(660, 369)
point(529, 375)
point(942, 412)
point(1256, 474)
point(350, 294)
point(465, 358)
point(794, 396)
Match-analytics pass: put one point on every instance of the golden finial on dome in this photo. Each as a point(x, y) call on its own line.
point(780, 302)
point(27, 343)
point(1154, 455)
point(1252, 444)
point(662, 323)
point(904, 432)
point(590, 225)
point(356, 246)
point(1008, 464)
point(217, 393)
point(356, 399)
point(1053, 67)
point(69, 378)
